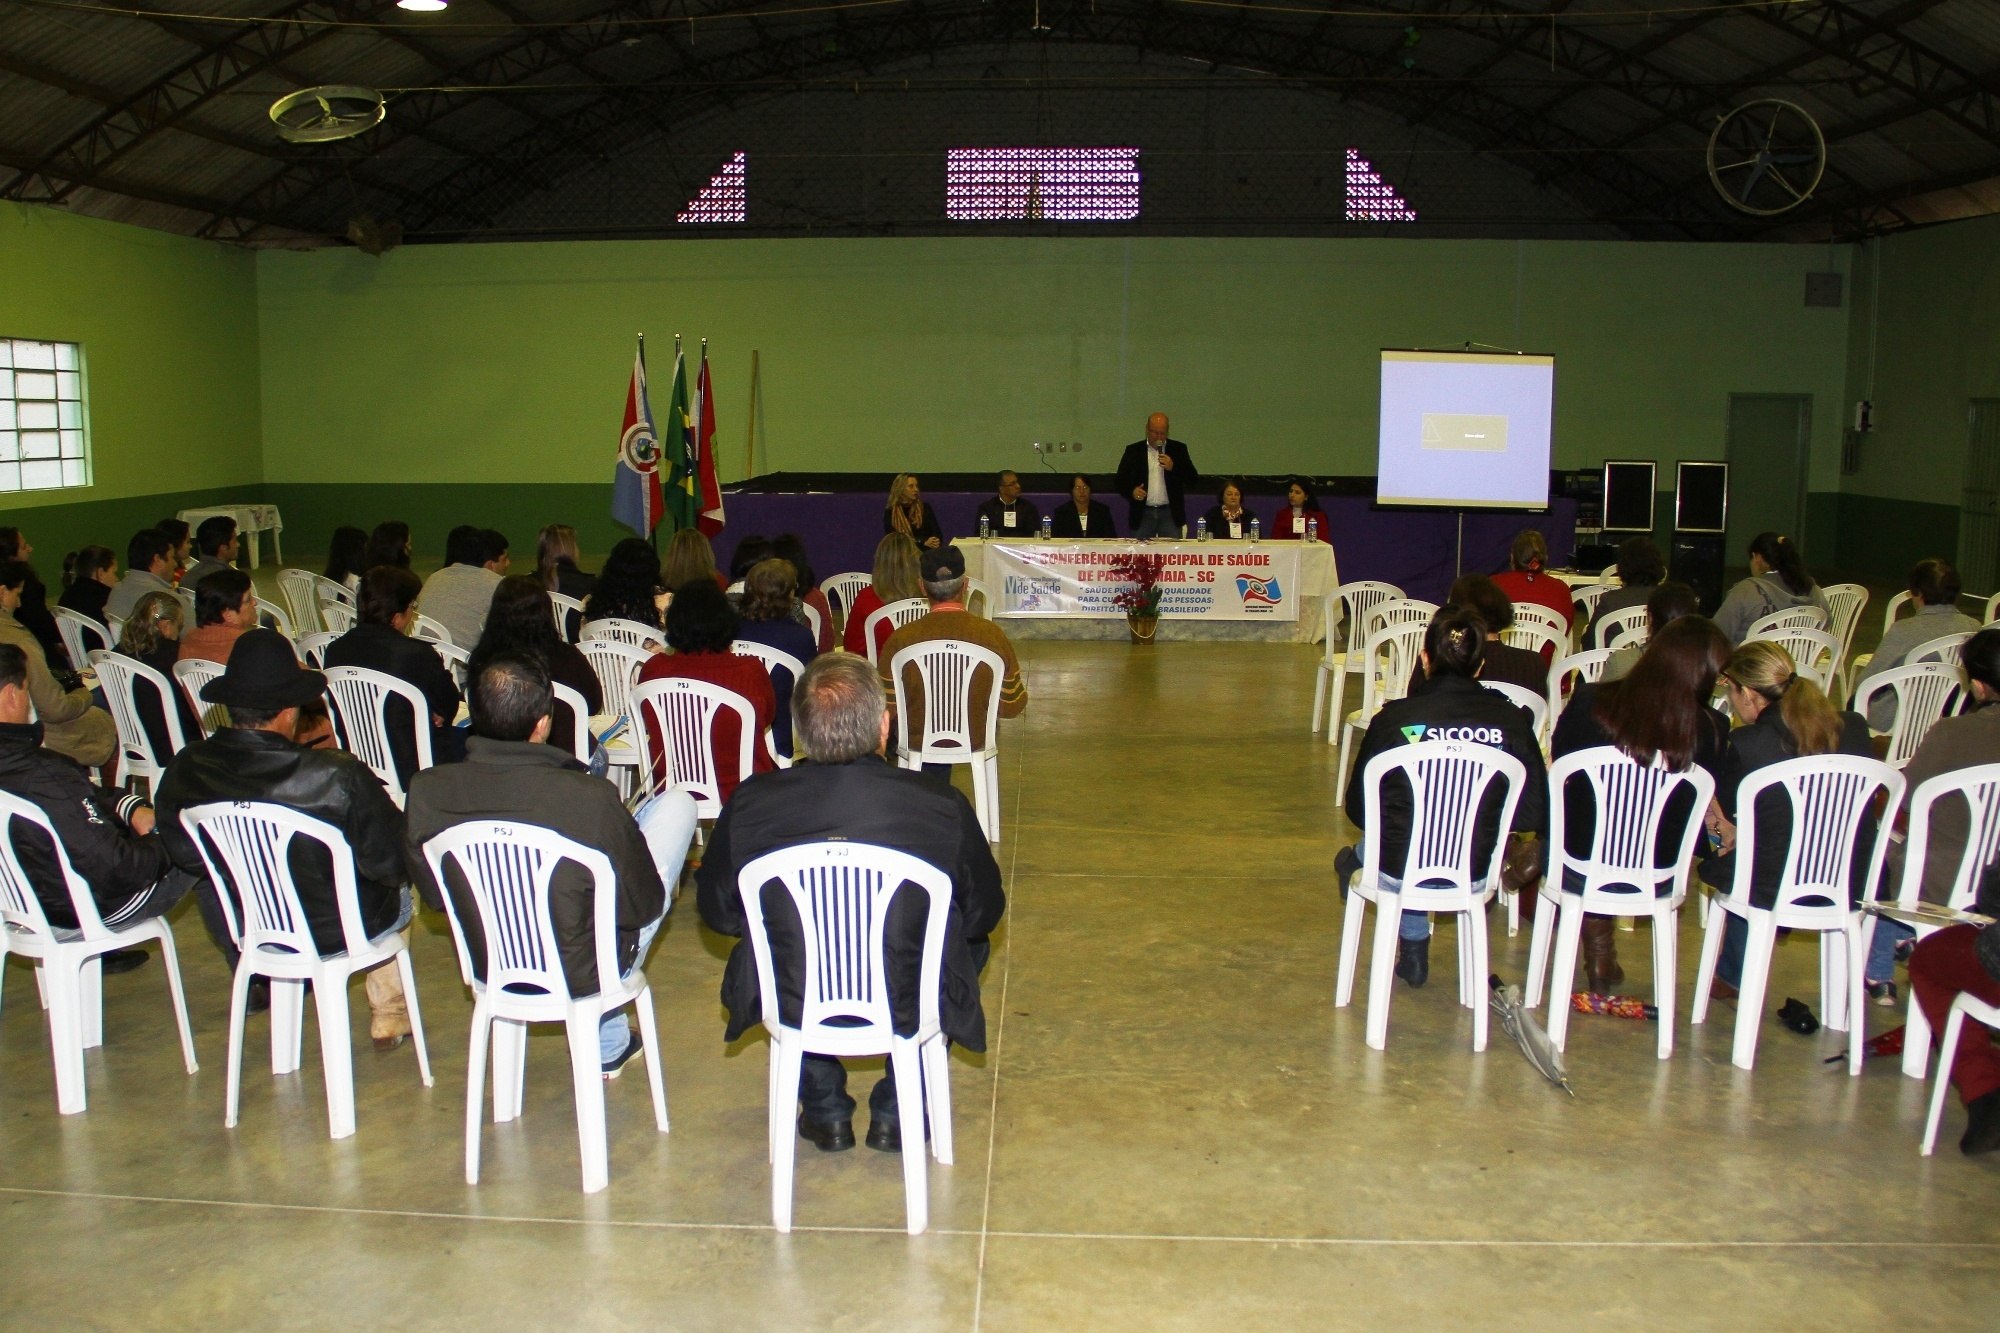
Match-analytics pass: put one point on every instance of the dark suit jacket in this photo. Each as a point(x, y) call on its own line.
point(1218, 522)
point(1027, 519)
point(379, 648)
point(1066, 522)
point(1181, 477)
point(865, 801)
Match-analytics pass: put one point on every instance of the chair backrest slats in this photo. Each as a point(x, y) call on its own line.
point(361, 710)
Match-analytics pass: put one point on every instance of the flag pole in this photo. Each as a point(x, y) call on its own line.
point(750, 435)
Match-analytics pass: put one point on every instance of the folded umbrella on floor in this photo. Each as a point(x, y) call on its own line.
point(1618, 1006)
point(1528, 1034)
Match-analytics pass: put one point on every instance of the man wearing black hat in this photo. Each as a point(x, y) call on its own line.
point(943, 574)
point(256, 758)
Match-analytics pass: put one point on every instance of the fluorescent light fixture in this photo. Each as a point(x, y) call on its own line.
point(422, 6)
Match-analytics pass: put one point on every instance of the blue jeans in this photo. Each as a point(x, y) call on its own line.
point(613, 1032)
point(1157, 521)
point(1414, 925)
point(1882, 953)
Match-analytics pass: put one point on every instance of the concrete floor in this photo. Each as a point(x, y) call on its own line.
point(1172, 1126)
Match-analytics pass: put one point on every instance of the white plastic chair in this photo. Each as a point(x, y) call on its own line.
point(1608, 573)
point(312, 648)
point(1585, 597)
point(1830, 797)
point(1845, 603)
point(814, 622)
point(1449, 781)
point(1388, 657)
point(360, 700)
point(683, 711)
point(635, 633)
point(278, 618)
point(186, 594)
point(563, 608)
point(979, 599)
point(773, 660)
point(1347, 607)
point(946, 671)
point(1536, 704)
point(616, 665)
point(1963, 1007)
point(842, 892)
point(1535, 636)
point(1528, 613)
point(1791, 618)
point(423, 627)
point(1923, 691)
point(1893, 608)
point(1584, 666)
point(246, 847)
point(68, 963)
point(327, 590)
point(1992, 612)
point(338, 617)
point(455, 660)
point(1815, 653)
point(1397, 611)
point(898, 613)
point(579, 712)
point(81, 636)
point(192, 675)
point(507, 868)
point(137, 757)
point(842, 589)
point(1621, 873)
point(1978, 788)
point(1945, 648)
point(734, 590)
point(1629, 624)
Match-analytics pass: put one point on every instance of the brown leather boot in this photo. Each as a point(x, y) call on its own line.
point(1600, 953)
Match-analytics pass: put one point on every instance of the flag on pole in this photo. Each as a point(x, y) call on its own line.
point(709, 508)
point(677, 445)
point(635, 483)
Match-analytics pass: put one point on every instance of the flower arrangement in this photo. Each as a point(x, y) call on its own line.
point(1141, 575)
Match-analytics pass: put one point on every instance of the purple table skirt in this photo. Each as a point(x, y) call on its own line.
point(1415, 549)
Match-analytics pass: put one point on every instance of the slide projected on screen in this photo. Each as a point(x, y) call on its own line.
point(1468, 430)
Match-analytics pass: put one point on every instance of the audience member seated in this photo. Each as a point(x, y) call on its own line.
point(1934, 588)
point(380, 641)
point(1082, 516)
point(753, 548)
point(1502, 662)
point(766, 612)
point(180, 538)
point(556, 557)
point(389, 544)
point(1229, 520)
point(689, 557)
point(107, 834)
point(1448, 701)
point(256, 758)
point(215, 544)
point(34, 610)
point(908, 514)
point(628, 587)
point(1525, 582)
point(458, 595)
point(1668, 603)
point(1007, 514)
point(700, 627)
point(1953, 743)
point(1965, 960)
point(1289, 523)
point(149, 567)
point(894, 580)
point(347, 557)
point(848, 792)
point(89, 575)
point(153, 636)
point(511, 773)
point(1778, 582)
point(522, 624)
point(1661, 708)
point(787, 546)
point(944, 585)
point(225, 607)
point(1641, 567)
point(71, 723)
point(1784, 716)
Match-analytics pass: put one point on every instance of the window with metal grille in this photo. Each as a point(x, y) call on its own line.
point(1041, 184)
point(726, 197)
point(1369, 197)
point(44, 443)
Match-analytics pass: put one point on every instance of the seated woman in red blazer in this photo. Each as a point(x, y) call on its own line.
point(1289, 523)
point(700, 627)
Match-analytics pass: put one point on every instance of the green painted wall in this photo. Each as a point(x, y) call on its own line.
point(169, 333)
point(507, 363)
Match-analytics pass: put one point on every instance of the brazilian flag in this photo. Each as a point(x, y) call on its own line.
point(676, 448)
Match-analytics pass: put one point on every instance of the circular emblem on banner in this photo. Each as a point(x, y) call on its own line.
point(640, 449)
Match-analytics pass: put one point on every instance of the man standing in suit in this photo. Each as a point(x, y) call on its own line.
point(1155, 475)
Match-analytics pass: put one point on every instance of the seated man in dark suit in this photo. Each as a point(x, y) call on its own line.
point(1007, 514)
point(380, 641)
point(844, 789)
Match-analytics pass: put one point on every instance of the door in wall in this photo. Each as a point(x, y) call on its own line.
point(1769, 435)
point(1979, 505)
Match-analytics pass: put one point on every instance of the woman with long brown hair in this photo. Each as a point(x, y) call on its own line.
point(895, 580)
point(907, 513)
point(555, 562)
point(689, 557)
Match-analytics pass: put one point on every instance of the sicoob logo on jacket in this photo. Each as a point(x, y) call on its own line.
point(1425, 732)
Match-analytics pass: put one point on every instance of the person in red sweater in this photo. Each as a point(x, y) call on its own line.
point(1524, 581)
point(1289, 523)
point(700, 627)
point(895, 579)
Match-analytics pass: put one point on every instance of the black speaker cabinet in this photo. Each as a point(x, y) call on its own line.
point(1697, 562)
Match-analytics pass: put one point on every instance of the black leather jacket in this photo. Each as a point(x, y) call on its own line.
point(242, 765)
point(117, 863)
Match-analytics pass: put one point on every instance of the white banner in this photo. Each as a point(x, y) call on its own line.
point(1199, 582)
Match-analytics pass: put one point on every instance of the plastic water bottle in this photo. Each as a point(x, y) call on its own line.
point(1256, 529)
point(1312, 530)
point(983, 527)
point(1201, 529)
point(1048, 527)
